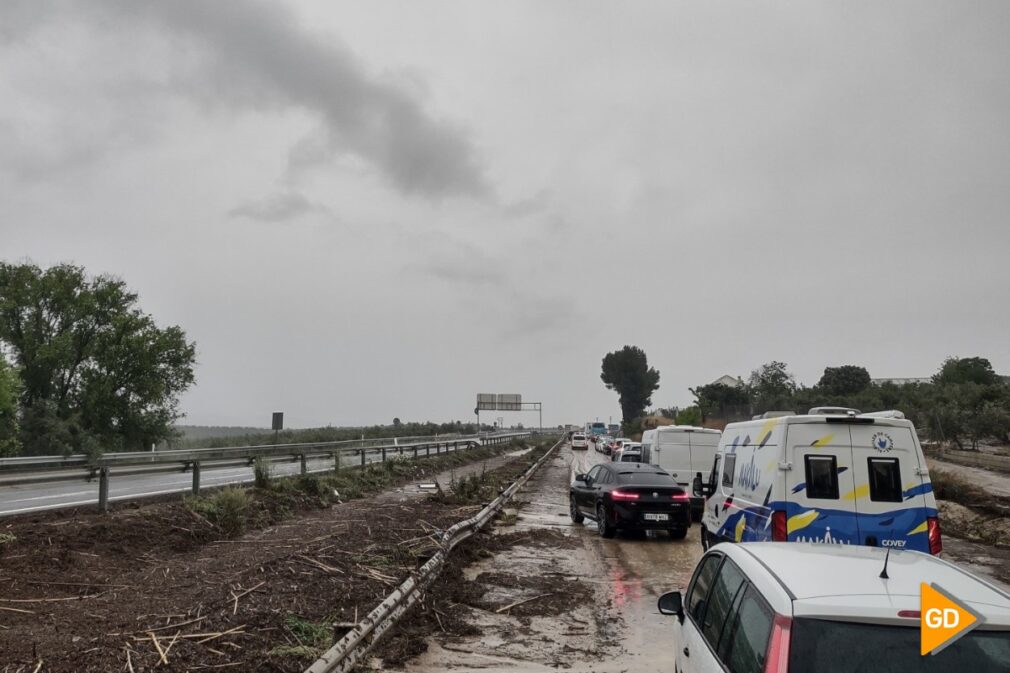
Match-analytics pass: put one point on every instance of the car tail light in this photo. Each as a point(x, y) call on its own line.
point(681, 497)
point(777, 657)
point(780, 532)
point(935, 543)
point(623, 495)
point(910, 614)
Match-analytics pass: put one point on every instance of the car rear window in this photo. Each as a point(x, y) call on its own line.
point(645, 478)
point(820, 646)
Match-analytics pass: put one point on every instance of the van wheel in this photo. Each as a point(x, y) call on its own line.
point(605, 529)
point(573, 511)
point(704, 539)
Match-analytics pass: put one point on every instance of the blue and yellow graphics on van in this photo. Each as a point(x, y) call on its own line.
point(830, 480)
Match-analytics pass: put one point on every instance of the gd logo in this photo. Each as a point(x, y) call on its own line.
point(943, 620)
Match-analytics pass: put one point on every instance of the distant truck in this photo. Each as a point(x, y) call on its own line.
point(598, 428)
point(613, 429)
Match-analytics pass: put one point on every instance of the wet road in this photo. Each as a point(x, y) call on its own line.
point(620, 630)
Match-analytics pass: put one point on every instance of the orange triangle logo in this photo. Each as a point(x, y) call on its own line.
point(942, 619)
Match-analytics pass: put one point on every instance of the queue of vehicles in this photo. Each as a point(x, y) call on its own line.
point(850, 492)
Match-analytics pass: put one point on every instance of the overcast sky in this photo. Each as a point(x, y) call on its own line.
point(362, 210)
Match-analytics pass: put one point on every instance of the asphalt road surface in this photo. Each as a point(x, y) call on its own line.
point(55, 495)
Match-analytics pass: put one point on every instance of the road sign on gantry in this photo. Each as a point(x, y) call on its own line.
point(510, 402)
point(487, 402)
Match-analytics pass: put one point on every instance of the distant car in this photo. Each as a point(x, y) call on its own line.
point(579, 441)
point(630, 496)
point(816, 608)
point(601, 442)
point(629, 453)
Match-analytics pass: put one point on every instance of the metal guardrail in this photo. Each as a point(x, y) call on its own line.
point(52, 469)
point(348, 651)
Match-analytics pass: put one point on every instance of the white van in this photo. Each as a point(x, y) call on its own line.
point(684, 451)
point(843, 478)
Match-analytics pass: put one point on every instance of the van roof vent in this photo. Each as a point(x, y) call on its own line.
point(890, 413)
point(833, 411)
point(773, 414)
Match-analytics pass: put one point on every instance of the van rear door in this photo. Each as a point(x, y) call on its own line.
point(818, 508)
point(672, 452)
point(703, 448)
point(890, 484)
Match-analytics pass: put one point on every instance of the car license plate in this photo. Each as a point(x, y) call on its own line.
point(653, 516)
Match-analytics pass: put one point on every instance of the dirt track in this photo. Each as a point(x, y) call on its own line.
point(101, 593)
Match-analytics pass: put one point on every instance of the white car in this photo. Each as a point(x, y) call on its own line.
point(765, 607)
point(579, 441)
point(630, 452)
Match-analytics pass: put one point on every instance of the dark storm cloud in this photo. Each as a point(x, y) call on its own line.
point(257, 56)
point(278, 208)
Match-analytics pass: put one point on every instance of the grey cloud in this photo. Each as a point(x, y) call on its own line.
point(530, 205)
point(446, 258)
point(259, 50)
point(256, 55)
point(278, 208)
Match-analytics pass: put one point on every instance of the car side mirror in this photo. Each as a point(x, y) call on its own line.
point(698, 486)
point(580, 477)
point(672, 603)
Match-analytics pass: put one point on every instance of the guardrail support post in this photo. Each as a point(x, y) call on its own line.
point(415, 452)
point(336, 461)
point(383, 454)
point(103, 489)
point(301, 461)
point(427, 449)
point(362, 457)
point(196, 477)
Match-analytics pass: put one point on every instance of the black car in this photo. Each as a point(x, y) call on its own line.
point(630, 496)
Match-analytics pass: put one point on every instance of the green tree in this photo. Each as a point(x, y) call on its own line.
point(10, 387)
point(689, 416)
point(772, 387)
point(95, 370)
point(722, 401)
point(966, 370)
point(627, 371)
point(844, 380)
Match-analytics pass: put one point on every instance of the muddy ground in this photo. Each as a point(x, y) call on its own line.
point(156, 583)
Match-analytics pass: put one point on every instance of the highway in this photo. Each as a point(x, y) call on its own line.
point(38, 497)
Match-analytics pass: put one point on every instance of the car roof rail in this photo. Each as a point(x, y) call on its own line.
point(773, 414)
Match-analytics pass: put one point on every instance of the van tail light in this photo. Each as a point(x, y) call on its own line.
point(777, 657)
point(623, 495)
point(681, 497)
point(780, 533)
point(933, 528)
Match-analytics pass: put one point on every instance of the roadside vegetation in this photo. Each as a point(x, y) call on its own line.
point(200, 437)
point(235, 510)
point(964, 404)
